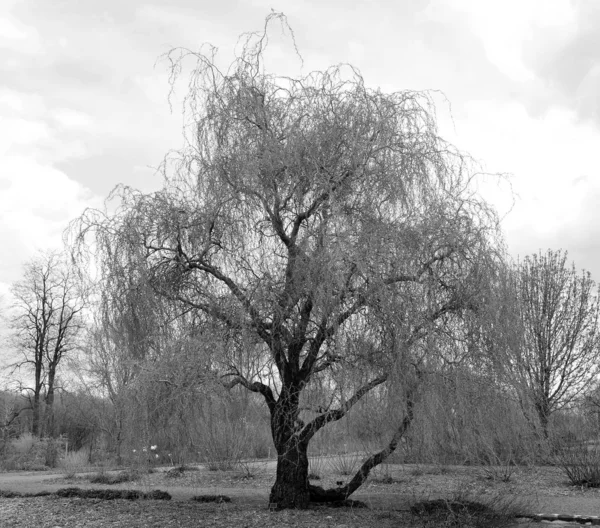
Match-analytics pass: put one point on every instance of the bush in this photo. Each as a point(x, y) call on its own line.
point(496, 467)
point(105, 478)
point(580, 463)
point(225, 445)
point(110, 494)
point(24, 444)
point(74, 462)
point(26, 453)
point(345, 464)
point(464, 512)
point(211, 498)
point(316, 467)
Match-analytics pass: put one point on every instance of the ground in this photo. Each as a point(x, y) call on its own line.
point(389, 493)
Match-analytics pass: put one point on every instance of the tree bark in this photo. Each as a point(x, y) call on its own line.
point(35, 426)
point(291, 488)
point(543, 411)
point(49, 410)
point(291, 482)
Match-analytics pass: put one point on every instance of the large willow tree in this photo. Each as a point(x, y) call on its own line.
point(324, 230)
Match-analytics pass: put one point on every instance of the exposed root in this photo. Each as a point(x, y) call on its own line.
point(332, 497)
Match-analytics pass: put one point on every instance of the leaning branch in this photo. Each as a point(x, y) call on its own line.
point(318, 494)
point(333, 415)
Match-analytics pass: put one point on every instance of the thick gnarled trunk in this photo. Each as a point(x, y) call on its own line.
point(291, 482)
point(291, 488)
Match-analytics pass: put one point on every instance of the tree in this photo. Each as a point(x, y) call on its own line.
point(47, 323)
point(558, 356)
point(324, 232)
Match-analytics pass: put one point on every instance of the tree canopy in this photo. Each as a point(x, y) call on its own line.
point(319, 228)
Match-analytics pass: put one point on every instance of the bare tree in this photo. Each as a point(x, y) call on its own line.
point(558, 356)
point(47, 323)
point(325, 230)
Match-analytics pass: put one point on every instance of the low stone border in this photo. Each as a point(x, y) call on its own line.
point(581, 519)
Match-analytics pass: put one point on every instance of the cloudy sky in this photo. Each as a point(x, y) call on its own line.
point(83, 106)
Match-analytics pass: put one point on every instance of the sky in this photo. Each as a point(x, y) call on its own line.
point(84, 101)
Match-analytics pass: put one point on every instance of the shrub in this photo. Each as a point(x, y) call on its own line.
point(106, 478)
point(25, 453)
point(316, 467)
point(464, 512)
point(74, 462)
point(495, 467)
point(580, 463)
point(345, 464)
point(225, 445)
point(24, 444)
point(111, 494)
point(211, 498)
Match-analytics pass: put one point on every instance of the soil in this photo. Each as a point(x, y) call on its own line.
point(389, 493)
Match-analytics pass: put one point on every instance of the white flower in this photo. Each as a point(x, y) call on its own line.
point(153, 448)
point(156, 456)
point(134, 450)
point(144, 449)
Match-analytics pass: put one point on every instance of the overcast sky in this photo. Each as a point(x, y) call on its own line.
point(83, 106)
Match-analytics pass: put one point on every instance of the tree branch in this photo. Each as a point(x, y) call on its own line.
point(255, 386)
point(333, 415)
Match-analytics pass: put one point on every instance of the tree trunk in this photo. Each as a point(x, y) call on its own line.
point(543, 411)
point(49, 400)
point(291, 483)
point(291, 489)
point(35, 426)
point(50, 430)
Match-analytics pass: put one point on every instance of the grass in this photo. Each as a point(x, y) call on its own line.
point(384, 479)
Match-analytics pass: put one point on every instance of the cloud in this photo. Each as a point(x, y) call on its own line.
point(566, 56)
point(19, 37)
point(553, 162)
point(36, 204)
